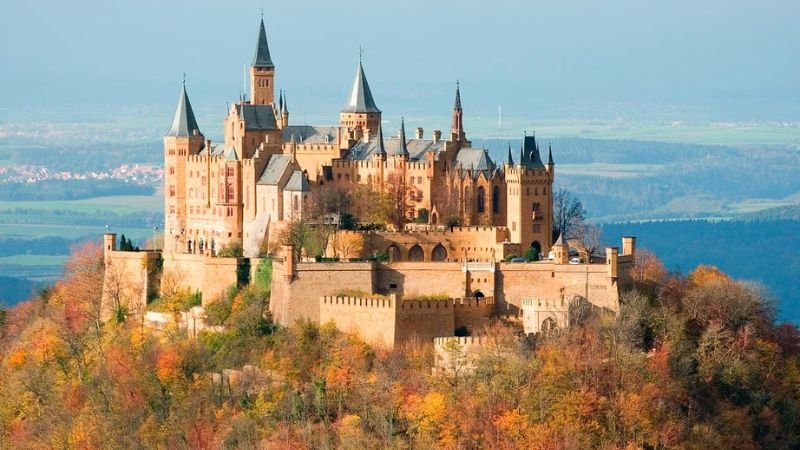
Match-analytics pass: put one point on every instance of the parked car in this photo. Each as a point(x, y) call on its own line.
point(575, 260)
point(518, 259)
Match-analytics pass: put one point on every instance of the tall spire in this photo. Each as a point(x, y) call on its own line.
point(284, 103)
point(510, 158)
point(280, 100)
point(403, 150)
point(262, 58)
point(381, 150)
point(457, 128)
point(184, 123)
point(458, 96)
point(550, 155)
point(360, 100)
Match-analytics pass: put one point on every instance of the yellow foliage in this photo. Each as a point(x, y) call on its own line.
point(16, 358)
point(704, 275)
point(168, 365)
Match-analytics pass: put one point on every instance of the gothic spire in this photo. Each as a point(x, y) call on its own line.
point(457, 105)
point(550, 155)
point(184, 123)
point(262, 58)
point(280, 100)
point(360, 100)
point(403, 150)
point(510, 158)
point(284, 103)
point(380, 150)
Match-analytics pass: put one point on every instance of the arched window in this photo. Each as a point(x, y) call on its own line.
point(416, 254)
point(548, 325)
point(394, 253)
point(439, 253)
point(495, 200)
point(537, 207)
point(481, 194)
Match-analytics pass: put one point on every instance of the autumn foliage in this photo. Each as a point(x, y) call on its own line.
point(688, 363)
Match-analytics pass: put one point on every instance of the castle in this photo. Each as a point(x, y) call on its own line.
point(470, 212)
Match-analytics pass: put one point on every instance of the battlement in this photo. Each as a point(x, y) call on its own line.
point(362, 302)
point(465, 302)
point(459, 340)
point(424, 304)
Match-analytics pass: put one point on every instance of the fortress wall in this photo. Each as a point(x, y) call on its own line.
point(423, 320)
point(373, 319)
point(220, 274)
point(483, 281)
point(554, 281)
point(129, 279)
point(417, 278)
point(479, 243)
point(472, 313)
point(452, 353)
point(210, 275)
point(300, 300)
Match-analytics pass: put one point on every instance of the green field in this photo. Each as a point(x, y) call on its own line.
point(117, 204)
point(15, 230)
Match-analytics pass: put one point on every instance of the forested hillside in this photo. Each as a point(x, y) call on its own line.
point(689, 363)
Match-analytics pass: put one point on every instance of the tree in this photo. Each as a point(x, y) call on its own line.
point(372, 205)
point(299, 235)
point(348, 244)
point(568, 213)
point(587, 238)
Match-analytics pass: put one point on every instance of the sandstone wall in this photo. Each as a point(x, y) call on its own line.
point(472, 313)
point(423, 320)
point(129, 279)
point(415, 278)
point(210, 275)
point(371, 318)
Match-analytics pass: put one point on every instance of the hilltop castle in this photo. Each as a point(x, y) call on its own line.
point(265, 175)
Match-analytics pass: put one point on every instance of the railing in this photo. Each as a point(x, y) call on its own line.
point(468, 266)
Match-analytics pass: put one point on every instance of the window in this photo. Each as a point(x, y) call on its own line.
point(536, 207)
point(480, 197)
point(229, 171)
point(172, 191)
point(495, 200)
point(171, 170)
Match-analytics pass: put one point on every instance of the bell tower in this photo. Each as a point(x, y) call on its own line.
point(262, 71)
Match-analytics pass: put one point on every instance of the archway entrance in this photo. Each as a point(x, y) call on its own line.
point(536, 246)
point(394, 253)
point(416, 253)
point(434, 218)
point(548, 325)
point(478, 294)
point(439, 253)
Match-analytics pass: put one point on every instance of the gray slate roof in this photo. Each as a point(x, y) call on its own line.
point(276, 166)
point(310, 134)
point(262, 58)
point(416, 148)
point(257, 117)
point(474, 159)
point(183, 123)
point(297, 183)
point(216, 150)
point(361, 100)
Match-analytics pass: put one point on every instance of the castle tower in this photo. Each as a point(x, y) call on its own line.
point(561, 251)
point(262, 71)
point(457, 129)
point(529, 199)
point(361, 111)
point(183, 139)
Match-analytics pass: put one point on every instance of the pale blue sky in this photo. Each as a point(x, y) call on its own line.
point(734, 57)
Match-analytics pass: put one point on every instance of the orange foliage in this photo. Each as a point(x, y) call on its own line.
point(704, 275)
point(168, 365)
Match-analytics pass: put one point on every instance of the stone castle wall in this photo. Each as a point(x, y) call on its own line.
point(130, 278)
point(212, 276)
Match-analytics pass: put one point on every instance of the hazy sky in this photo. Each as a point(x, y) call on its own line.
point(534, 57)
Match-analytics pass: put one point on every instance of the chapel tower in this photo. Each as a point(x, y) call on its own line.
point(262, 71)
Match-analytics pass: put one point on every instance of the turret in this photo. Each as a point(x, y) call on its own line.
point(181, 141)
point(402, 151)
point(284, 110)
point(262, 71)
point(360, 112)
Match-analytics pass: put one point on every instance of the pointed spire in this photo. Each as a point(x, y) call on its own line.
point(550, 155)
point(284, 103)
point(361, 100)
point(510, 159)
point(560, 240)
point(184, 123)
point(380, 150)
point(280, 100)
point(262, 58)
point(457, 105)
point(403, 150)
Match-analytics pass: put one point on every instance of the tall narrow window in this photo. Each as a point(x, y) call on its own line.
point(495, 200)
